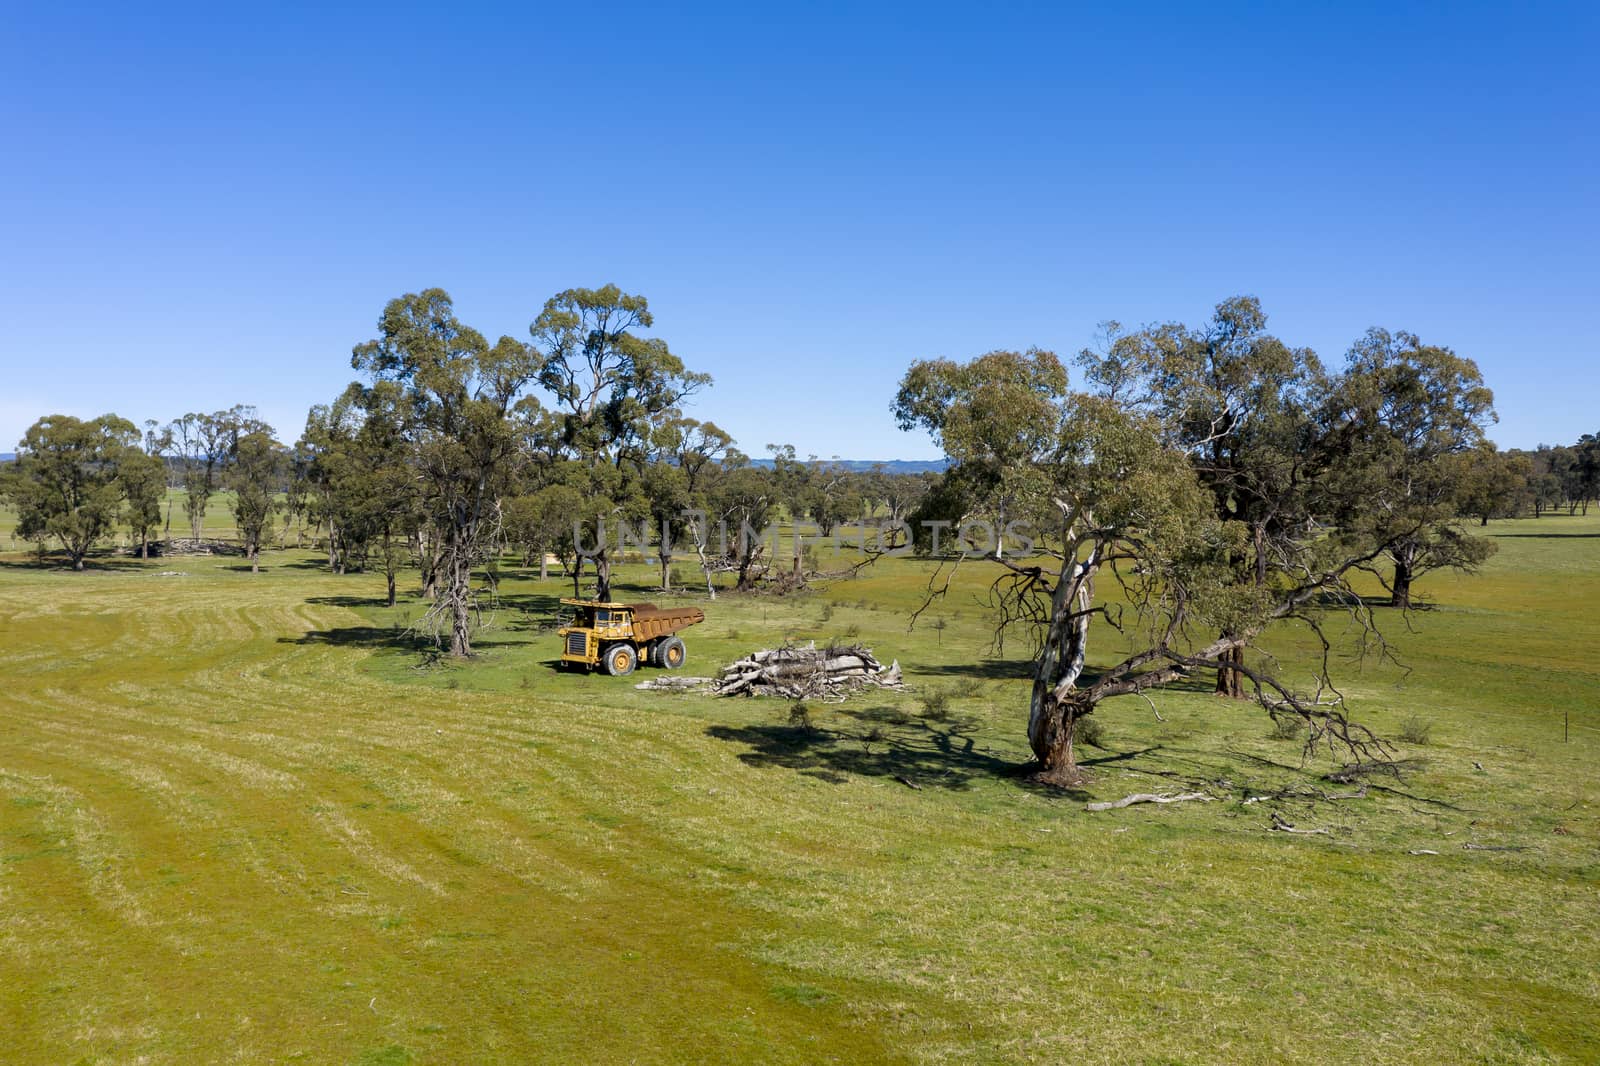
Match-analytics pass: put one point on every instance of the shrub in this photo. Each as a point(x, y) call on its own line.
point(827, 611)
point(1415, 730)
point(1088, 731)
point(936, 704)
point(966, 688)
point(1287, 727)
point(800, 716)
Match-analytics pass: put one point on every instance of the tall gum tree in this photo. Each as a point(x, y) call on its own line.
point(611, 385)
point(1236, 400)
point(255, 476)
point(1111, 496)
point(1421, 410)
point(65, 483)
point(459, 391)
point(203, 445)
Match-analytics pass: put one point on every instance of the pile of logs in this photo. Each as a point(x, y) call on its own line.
point(807, 672)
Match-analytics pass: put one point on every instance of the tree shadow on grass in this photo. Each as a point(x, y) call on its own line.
point(350, 601)
point(388, 637)
point(984, 669)
point(1546, 536)
point(362, 637)
point(918, 754)
point(531, 611)
point(90, 565)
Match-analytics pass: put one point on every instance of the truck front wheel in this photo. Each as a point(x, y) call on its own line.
point(620, 659)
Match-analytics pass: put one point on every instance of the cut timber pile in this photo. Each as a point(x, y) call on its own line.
point(189, 546)
point(807, 672)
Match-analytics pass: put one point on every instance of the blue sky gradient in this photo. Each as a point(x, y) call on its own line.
point(205, 208)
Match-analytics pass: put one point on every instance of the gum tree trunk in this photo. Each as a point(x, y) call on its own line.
point(1402, 585)
point(1230, 680)
point(1056, 703)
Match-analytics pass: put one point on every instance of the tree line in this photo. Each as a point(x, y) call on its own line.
point(453, 450)
point(1227, 481)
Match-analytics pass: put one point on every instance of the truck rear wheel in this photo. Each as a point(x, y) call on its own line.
point(672, 654)
point(620, 659)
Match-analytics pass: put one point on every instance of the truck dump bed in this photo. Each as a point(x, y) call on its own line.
point(650, 621)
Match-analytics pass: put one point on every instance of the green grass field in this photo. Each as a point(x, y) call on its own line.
point(243, 819)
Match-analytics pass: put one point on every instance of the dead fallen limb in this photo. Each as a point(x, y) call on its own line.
point(1282, 826)
point(674, 683)
point(1146, 797)
point(1494, 847)
point(1345, 775)
point(1307, 792)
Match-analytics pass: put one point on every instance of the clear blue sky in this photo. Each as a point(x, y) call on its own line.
point(204, 208)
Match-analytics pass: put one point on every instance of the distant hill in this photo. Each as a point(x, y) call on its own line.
point(892, 466)
point(6, 457)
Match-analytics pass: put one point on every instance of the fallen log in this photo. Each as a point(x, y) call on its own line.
point(1146, 797)
point(676, 684)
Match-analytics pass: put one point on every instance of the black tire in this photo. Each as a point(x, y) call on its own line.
point(652, 653)
point(619, 659)
point(672, 654)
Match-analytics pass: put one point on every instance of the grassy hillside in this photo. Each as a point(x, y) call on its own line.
point(241, 818)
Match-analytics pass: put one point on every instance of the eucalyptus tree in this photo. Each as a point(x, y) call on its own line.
point(836, 498)
point(608, 380)
point(296, 492)
point(65, 482)
point(665, 487)
point(740, 505)
point(320, 453)
point(376, 481)
point(673, 475)
point(1495, 484)
point(255, 476)
point(1586, 469)
point(1419, 413)
point(898, 494)
point(142, 477)
point(202, 445)
point(1236, 400)
point(693, 446)
point(1111, 488)
point(612, 385)
point(457, 392)
point(540, 523)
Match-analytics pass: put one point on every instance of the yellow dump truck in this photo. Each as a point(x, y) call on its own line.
point(616, 636)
